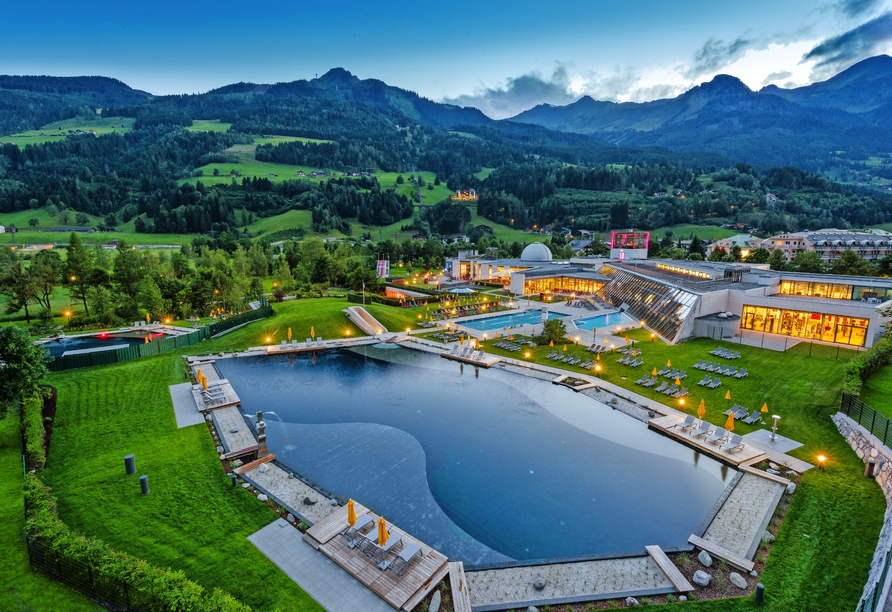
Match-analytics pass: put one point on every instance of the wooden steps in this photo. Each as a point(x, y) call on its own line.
point(253, 465)
point(717, 551)
point(461, 597)
point(665, 564)
point(749, 469)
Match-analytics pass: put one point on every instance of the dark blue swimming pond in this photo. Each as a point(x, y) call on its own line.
point(488, 466)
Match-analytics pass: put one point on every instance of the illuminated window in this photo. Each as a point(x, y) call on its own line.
point(811, 325)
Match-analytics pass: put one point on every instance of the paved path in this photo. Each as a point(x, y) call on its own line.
point(738, 526)
point(231, 418)
point(319, 576)
point(603, 579)
point(184, 407)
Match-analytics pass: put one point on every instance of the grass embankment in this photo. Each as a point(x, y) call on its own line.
point(877, 391)
point(23, 588)
point(836, 514)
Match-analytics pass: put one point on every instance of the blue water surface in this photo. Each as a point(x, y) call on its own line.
point(102, 340)
point(531, 317)
point(487, 465)
point(605, 321)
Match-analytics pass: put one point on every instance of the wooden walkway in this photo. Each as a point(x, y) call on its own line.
point(461, 597)
point(402, 592)
point(221, 385)
point(717, 551)
point(665, 564)
point(748, 454)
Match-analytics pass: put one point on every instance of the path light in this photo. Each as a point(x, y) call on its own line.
point(681, 402)
point(652, 336)
point(821, 460)
point(774, 427)
point(67, 315)
point(598, 369)
point(167, 320)
point(347, 332)
point(268, 340)
point(408, 329)
point(527, 354)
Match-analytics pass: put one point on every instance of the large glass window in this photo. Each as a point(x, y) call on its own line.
point(563, 284)
point(813, 325)
point(663, 308)
point(819, 289)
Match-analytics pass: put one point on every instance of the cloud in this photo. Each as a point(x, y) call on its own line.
point(777, 76)
point(857, 8)
point(716, 54)
point(520, 94)
point(839, 52)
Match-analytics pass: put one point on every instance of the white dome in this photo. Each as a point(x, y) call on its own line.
point(536, 252)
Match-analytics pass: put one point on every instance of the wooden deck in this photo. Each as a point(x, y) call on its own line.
point(229, 396)
point(717, 551)
point(665, 564)
point(300, 347)
point(401, 592)
point(488, 361)
point(461, 597)
point(747, 454)
point(207, 368)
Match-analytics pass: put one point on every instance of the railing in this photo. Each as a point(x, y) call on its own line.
point(867, 417)
point(136, 351)
point(872, 601)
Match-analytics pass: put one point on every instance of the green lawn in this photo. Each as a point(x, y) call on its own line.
point(877, 391)
point(54, 132)
point(705, 232)
point(23, 589)
point(504, 232)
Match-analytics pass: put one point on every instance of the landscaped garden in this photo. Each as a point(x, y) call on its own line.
point(194, 521)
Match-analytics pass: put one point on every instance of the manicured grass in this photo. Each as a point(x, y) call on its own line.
point(208, 125)
point(52, 132)
point(877, 391)
point(705, 232)
point(23, 588)
point(504, 232)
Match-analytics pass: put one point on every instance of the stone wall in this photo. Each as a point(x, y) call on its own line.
point(868, 447)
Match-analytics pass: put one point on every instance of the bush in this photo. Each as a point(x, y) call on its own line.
point(859, 369)
point(33, 431)
point(112, 576)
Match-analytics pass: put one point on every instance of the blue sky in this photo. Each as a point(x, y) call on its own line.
point(502, 57)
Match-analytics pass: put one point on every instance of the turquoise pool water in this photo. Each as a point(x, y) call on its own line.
point(605, 321)
point(530, 317)
point(487, 466)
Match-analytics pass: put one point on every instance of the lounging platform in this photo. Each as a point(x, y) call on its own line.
point(402, 592)
point(220, 394)
point(665, 425)
point(482, 361)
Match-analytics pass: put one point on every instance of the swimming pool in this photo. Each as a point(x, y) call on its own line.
point(101, 341)
point(487, 466)
point(605, 321)
point(529, 317)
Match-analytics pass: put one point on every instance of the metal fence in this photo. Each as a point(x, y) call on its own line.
point(872, 601)
point(136, 351)
point(867, 417)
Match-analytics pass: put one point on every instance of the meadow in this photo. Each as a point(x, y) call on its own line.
point(54, 132)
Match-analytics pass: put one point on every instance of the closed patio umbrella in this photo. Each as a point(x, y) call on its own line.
point(678, 381)
point(351, 513)
point(382, 532)
point(729, 424)
point(669, 364)
point(289, 333)
point(701, 410)
point(312, 332)
point(654, 373)
point(204, 384)
point(765, 407)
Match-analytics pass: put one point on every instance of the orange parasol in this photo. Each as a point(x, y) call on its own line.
point(701, 410)
point(351, 513)
point(382, 532)
point(654, 373)
point(765, 407)
point(729, 424)
point(728, 394)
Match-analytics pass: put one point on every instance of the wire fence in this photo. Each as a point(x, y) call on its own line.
point(867, 417)
point(85, 360)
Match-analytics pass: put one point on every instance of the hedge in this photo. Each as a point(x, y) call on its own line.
point(91, 566)
point(861, 367)
point(33, 431)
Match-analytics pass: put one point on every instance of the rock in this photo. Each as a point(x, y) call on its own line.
point(233, 429)
point(873, 453)
point(767, 537)
point(701, 578)
point(791, 488)
point(246, 485)
point(682, 598)
point(754, 574)
point(262, 469)
point(539, 582)
point(290, 475)
point(333, 502)
point(219, 449)
point(308, 501)
point(791, 474)
point(208, 418)
point(532, 609)
point(737, 580)
point(632, 602)
point(704, 558)
point(290, 518)
point(262, 497)
point(773, 465)
point(775, 472)
point(435, 602)
point(238, 463)
point(222, 457)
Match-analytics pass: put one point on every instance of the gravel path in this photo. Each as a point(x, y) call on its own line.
point(292, 491)
point(587, 578)
point(740, 520)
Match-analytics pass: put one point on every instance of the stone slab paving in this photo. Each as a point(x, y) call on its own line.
point(744, 515)
point(780, 443)
point(319, 576)
point(586, 579)
point(231, 418)
point(292, 491)
point(184, 408)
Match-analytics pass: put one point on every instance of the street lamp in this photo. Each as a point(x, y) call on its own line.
point(774, 427)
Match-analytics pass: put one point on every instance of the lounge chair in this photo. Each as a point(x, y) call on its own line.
point(711, 367)
point(643, 379)
point(294, 344)
point(352, 534)
point(702, 430)
point(651, 382)
point(698, 365)
point(284, 343)
point(741, 414)
point(715, 383)
point(717, 436)
point(706, 380)
point(682, 374)
point(309, 342)
point(319, 342)
point(663, 386)
point(733, 409)
point(732, 371)
point(734, 444)
point(672, 375)
point(689, 420)
point(663, 371)
point(681, 393)
point(741, 374)
point(371, 549)
point(752, 419)
point(672, 390)
point(401, 562)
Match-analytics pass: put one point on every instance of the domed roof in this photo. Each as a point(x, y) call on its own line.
point(536, 252)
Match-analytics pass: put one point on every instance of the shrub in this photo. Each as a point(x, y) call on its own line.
point(34, 431)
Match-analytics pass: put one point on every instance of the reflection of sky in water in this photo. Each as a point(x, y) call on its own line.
point(526, 468)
